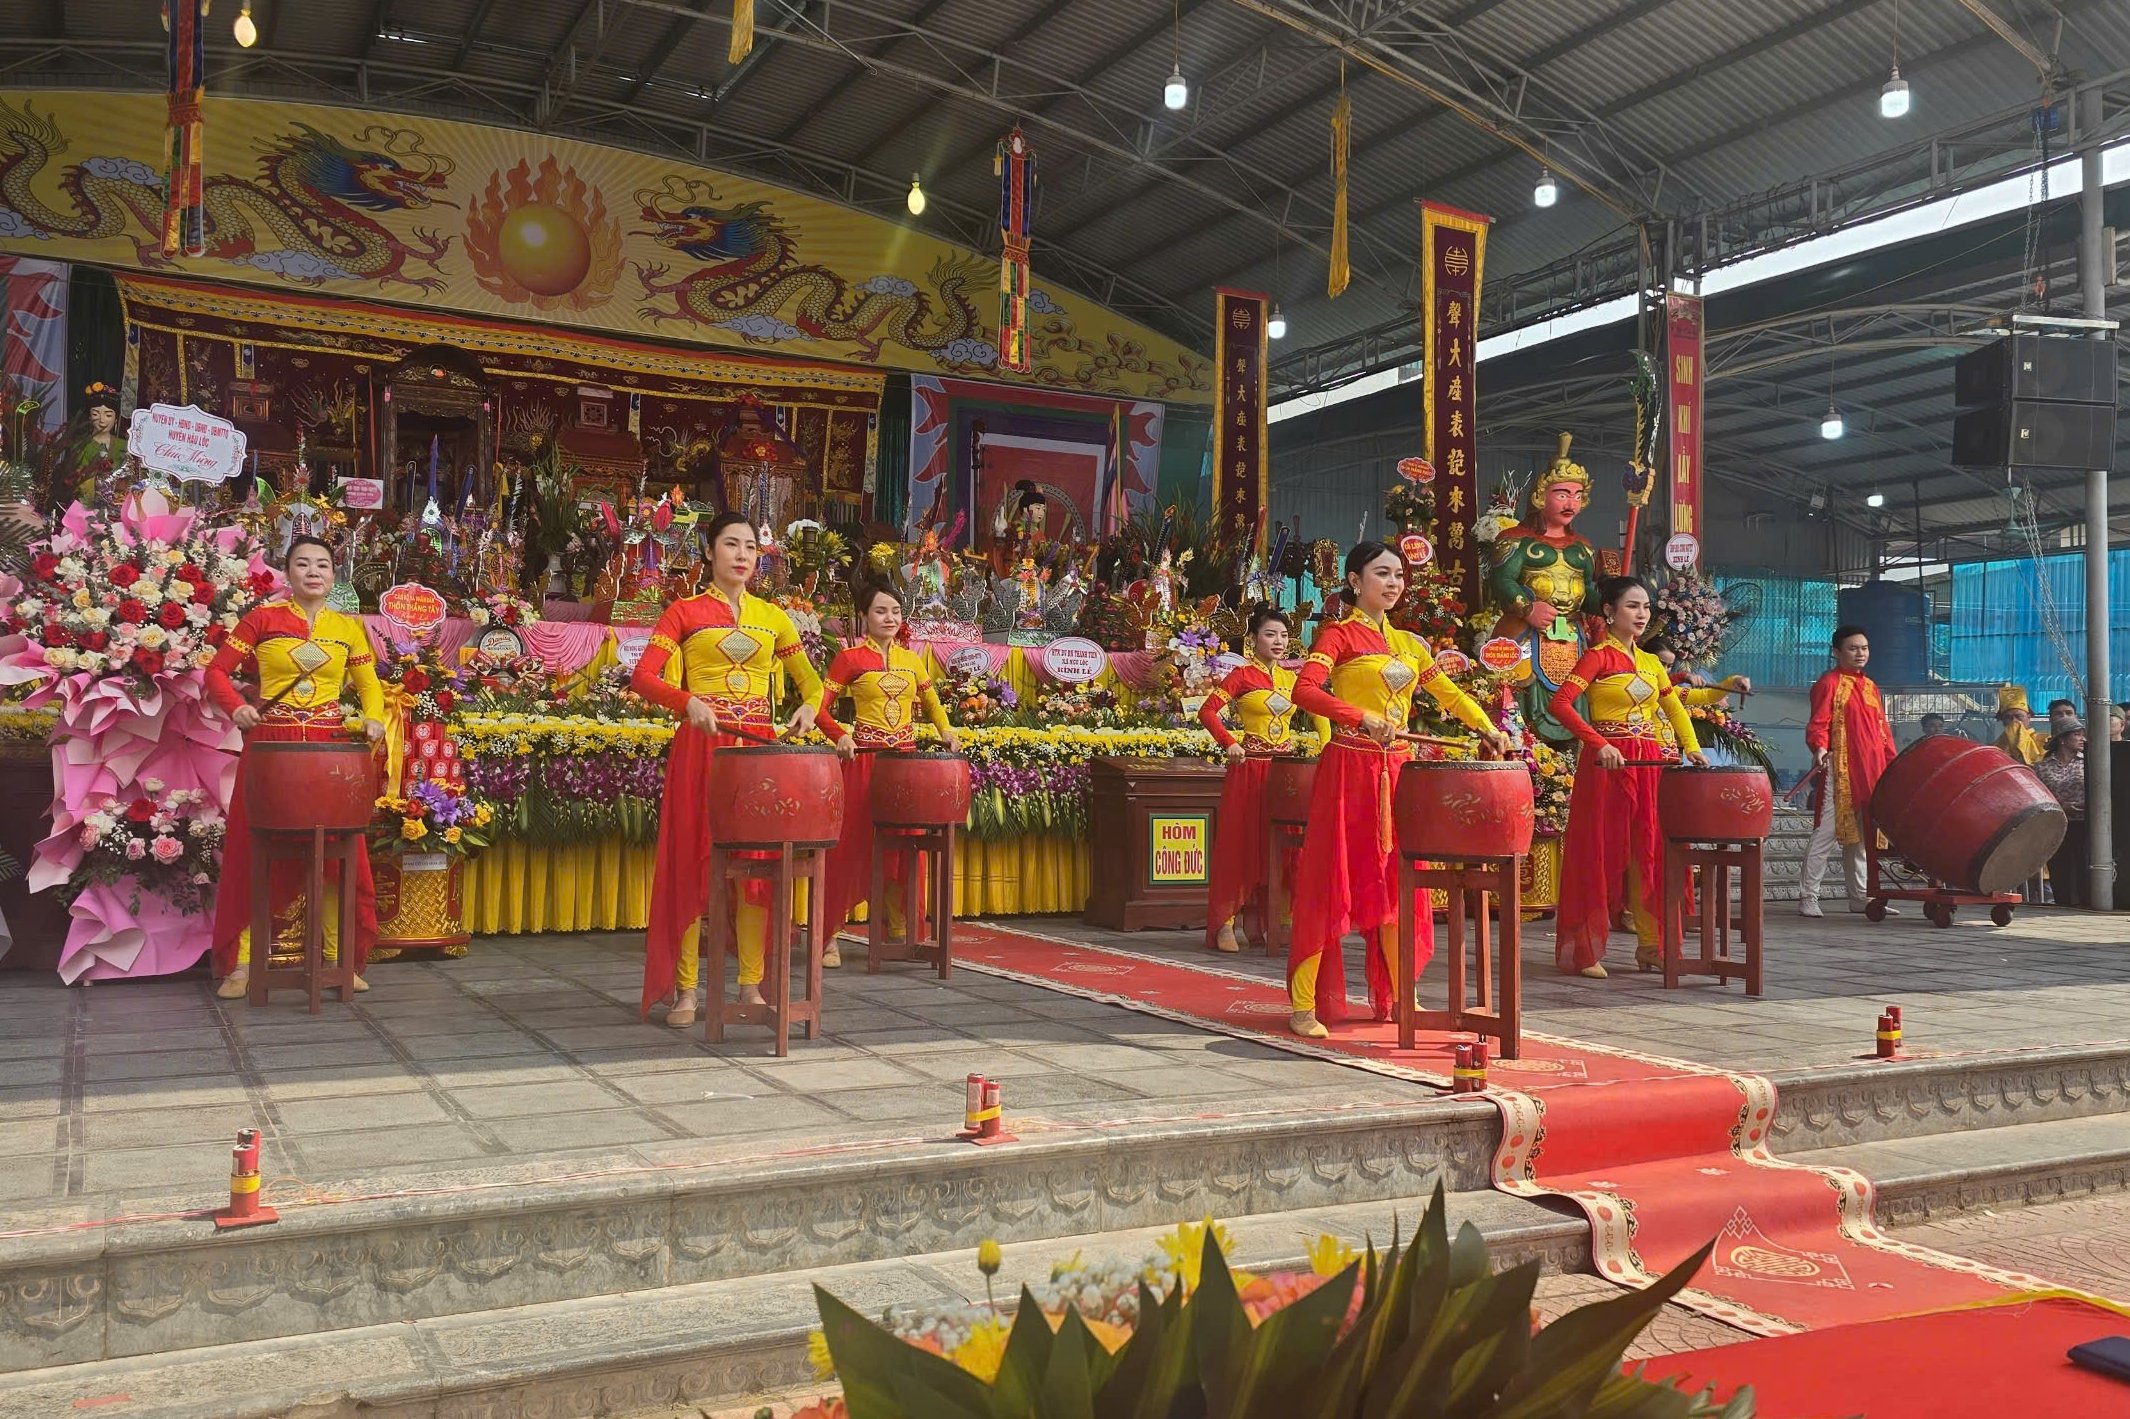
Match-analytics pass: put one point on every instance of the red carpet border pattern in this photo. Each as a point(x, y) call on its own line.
point(1660, 1154)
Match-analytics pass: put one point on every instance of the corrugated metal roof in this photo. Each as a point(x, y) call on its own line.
point(1734, 98)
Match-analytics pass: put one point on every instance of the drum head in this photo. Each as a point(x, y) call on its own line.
point(2020, 849)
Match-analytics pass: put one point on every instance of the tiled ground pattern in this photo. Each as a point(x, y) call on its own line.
point(530, 1050)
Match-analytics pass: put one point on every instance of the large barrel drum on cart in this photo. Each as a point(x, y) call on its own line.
point(1969, 814)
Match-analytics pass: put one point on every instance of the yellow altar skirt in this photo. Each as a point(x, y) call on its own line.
point(605, 885)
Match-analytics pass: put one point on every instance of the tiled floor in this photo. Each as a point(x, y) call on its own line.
point(528, 1057)
point(2051, 977)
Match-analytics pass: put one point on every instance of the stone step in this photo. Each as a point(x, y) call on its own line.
point(480, 1241)
point(692, 1344)
point(473, 1242)
point(1881, 1101)
point(716, 1341)
point(1928, 1178)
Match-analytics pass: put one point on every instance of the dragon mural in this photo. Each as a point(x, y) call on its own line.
point(748, 279)
point(306, 217)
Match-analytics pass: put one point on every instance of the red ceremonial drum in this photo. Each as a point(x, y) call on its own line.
point(1727, 804)
point(295, 787)
point(1289, 782)
point(911, 790)
point(1456, 810)
point(1968, 814)
point(767, 797)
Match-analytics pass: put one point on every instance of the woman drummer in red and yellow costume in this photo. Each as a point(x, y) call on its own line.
point(304, 656)
point(1360, 675)
point(1261, 692)
point(888, 684)
point(711, 662)
point(1614, 854)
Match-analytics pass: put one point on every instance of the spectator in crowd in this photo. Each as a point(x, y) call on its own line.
point(2019, 739)
point(2115, 724)
point(2063, 714)
point(2063, 769)
point(1932, 725)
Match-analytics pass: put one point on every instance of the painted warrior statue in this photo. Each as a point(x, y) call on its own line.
point(1544, 582)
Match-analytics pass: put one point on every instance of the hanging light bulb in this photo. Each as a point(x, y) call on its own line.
point(916, 197)
point(1831, 426)
point(247, 32)
point(1177, 91)
point(1547, 192)
point(1276, 327)
point(1875, 500)
point(1893, 99)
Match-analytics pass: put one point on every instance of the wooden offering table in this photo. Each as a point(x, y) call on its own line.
point(1150, 828)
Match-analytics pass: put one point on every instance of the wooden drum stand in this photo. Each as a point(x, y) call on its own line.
point(919, 802)
point(1464, 829)
point(1714, 820)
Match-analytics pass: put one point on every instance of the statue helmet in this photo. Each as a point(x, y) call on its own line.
point(1562, 470)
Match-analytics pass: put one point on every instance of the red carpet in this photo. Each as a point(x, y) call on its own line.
point(1661, 1155)
point(2006, 1358)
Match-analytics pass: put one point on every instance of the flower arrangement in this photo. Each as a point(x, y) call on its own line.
point(1182, 1332)
point(137, 601)
point(502, 608)
point(1193, 649)
point(1088, 706)
point(19, 725)
point(431, 688)
point(168, 843)
point(1552, 781)
point(555, 779)
point(1717, 728)
point(1433, 606)
point(1500, 512)
point(431, 817)
point(564, 778)
point(976, 697)
point(1033, 782)
point(1695, 617)
point(1409, 506)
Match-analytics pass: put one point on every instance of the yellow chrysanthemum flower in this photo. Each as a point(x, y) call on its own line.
point(1328, 1256)
point(817, 1356)
point(1185, 1248)
point(413, 829)
point(452, 835)
point(985, 1349)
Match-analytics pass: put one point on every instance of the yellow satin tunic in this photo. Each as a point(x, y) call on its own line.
point(303, 666)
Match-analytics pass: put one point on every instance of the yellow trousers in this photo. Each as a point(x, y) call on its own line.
point(1301, 990)
point(295, 913)
point(752, 931)
point(1638, 912)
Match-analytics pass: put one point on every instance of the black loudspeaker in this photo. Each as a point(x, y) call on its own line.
point(2024, 366)
point(2030, 433)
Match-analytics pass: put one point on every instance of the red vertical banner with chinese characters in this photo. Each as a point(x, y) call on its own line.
point(1240, 448)
point(1682, 337)
point(1453, 250)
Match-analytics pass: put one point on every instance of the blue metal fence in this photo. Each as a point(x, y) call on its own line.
point(1999, 631)
point(1783, 643)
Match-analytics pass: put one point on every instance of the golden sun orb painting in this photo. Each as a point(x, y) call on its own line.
point(544, 238)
